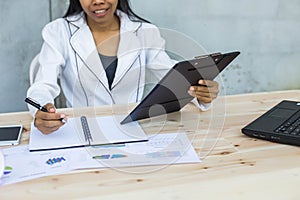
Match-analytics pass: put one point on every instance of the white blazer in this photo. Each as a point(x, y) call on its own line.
point(69, 53)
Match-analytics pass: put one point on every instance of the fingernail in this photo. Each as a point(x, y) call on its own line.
point(190, 92)
point(192, 88)
point(51, 110)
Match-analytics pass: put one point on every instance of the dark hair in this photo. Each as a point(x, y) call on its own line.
point(123, 5)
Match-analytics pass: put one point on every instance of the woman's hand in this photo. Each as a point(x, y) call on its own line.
point(206, 92)
point(48, 122)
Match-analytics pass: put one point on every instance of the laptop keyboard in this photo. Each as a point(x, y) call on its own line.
point(291, 126)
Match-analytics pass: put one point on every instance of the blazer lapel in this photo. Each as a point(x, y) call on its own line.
point(129, 49)
point(83, 44)
point(128, 52)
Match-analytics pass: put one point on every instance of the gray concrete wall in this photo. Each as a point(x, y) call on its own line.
point(20, 38)
point(266, 32)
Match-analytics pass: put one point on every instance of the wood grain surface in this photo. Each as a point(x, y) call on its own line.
point(233, 166)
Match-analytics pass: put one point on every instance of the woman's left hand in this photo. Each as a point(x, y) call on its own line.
point(206, 91)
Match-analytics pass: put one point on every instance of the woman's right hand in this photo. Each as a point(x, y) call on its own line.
point(48, 122)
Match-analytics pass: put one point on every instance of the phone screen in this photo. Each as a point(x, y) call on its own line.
point(10, 134)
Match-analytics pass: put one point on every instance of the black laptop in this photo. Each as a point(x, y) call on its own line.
point(170, 94)
point(280, 124)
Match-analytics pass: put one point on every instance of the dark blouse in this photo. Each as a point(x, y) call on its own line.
point(110, 65)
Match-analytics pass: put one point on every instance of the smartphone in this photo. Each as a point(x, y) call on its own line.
point(10, 135)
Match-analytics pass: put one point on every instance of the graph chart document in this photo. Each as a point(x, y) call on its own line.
point(161, 150)
point(22, 165)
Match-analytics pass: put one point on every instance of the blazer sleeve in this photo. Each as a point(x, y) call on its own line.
point(50, 61)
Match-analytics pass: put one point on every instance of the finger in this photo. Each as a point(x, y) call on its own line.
point(45, 115)
point(47, 123)
point(49, 116)
point(206, 91)
point(204, 99)
point(47, 127)
point(206, 95)
point(50, 107)
point(192, 93)
point(208, 83)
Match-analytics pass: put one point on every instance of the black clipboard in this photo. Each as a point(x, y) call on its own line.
point(170, 94)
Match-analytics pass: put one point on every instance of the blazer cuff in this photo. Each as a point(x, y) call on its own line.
point(201, 106)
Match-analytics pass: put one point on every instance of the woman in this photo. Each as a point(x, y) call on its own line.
point(103, 54)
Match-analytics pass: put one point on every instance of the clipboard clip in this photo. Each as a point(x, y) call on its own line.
point(211, 55)
point(215, 54)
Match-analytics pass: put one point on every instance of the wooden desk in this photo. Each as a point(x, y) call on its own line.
point(238, 167)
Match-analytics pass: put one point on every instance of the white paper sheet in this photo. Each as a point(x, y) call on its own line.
point(104, 130)
point(22, 165)
point(160, 150)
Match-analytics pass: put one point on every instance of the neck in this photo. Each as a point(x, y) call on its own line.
point(113, 25)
